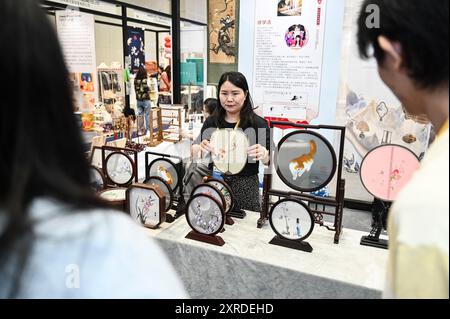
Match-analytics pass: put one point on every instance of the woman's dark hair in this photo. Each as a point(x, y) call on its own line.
point(168, 71)
point(421, 27)
point(210, 105)
point(141, 73)
point(247, 114)
point(41, 145)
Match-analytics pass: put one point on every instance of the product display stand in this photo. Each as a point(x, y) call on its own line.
point(337, 202)
point(238, 214)
point(373, 239)
point(178, 191)
point(380, 170)
point(171, 117)
point(298, 245)
point(156, 135)
point(229, 220)
point(213, 240)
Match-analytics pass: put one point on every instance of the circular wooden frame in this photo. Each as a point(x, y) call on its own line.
point(168, 193)
point(299, 202)
point(116, 203)
point(215, 202)
point(133, 172)
point(98, 171)
point(177, 184)
point(372, 151)
point(229, 190)
point(214, 189)
point(328, 146)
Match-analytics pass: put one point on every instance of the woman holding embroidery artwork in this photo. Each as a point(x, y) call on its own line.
point(235, 112)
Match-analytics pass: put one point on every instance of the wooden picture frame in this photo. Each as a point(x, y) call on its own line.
point(132, 159)
point(164, 187)
point(146, 204)
point(97, 178)
point(204, 226)
point(116, 197)
point(95, 158)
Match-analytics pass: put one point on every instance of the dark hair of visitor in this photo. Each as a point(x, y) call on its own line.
point(141, 73)
point(421, 27)
point(210, 105)
point(247, 114)
point(168, 71)
point(41, 146)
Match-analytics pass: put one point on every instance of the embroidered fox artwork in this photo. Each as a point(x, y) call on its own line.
point(165, 175)
point(298, 166)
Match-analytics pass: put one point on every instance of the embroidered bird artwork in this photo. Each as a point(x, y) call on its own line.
point(298, 166)
point(165, 175)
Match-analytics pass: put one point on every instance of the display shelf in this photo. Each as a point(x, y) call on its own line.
point(172, 116)
point(156, 135)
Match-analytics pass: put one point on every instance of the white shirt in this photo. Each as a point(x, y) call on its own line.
point(92, 254)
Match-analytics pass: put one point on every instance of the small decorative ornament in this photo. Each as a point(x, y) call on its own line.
point(382, 110)
point(363, 127)
point(409, 138)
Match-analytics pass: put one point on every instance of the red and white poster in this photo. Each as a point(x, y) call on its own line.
point(289, 41)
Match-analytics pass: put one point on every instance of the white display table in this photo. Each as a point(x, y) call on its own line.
point(248, 267)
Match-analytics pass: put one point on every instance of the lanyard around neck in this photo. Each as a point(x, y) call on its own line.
point(237, 125)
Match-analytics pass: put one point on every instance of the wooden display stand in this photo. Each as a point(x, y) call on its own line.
point(209, 239)
point(178, 192)
point(298, 245)
point(172, 116)
point(156, 134)
point(314, 202)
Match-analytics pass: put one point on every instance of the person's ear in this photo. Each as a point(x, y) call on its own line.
point(392, 51)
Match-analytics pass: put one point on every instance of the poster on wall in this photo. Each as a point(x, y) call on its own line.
point(135, 48)
point(222, 31)
point(287, 67)
point(77, 37)
point(372, 115)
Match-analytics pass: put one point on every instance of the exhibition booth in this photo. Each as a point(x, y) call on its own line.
point(329, 129)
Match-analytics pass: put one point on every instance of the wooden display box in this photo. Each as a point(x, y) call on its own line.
point(172, 121)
